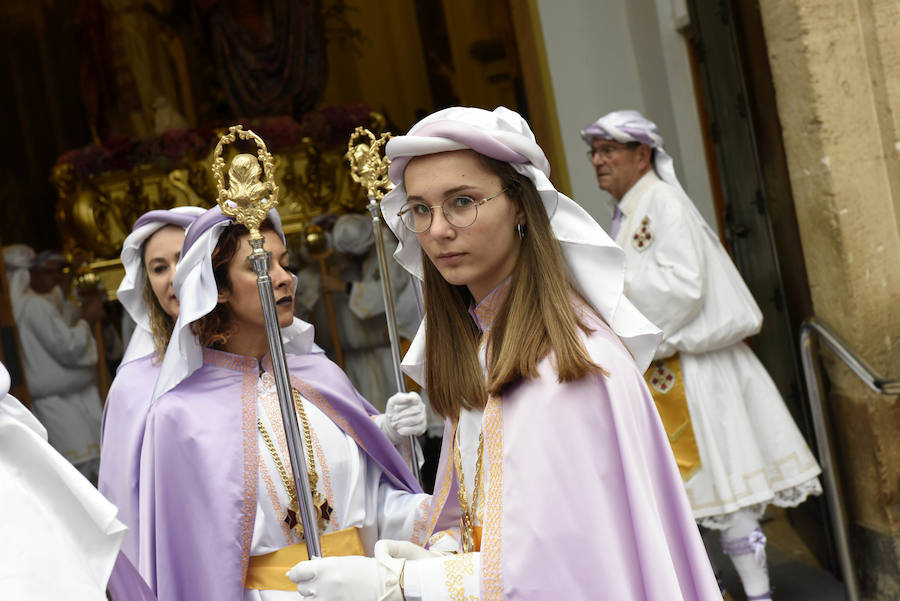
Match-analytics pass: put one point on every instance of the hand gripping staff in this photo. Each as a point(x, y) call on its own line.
point(248, 199)
point(369, 169)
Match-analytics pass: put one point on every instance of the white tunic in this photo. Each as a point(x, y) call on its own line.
point(680, 277)
point(61, 368)
point(354, 486)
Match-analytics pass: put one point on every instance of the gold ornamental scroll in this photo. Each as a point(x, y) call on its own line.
point(667, 387)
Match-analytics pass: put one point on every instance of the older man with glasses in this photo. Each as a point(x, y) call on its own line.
point(735, 443)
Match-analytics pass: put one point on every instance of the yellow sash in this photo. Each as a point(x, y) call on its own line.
point(267, 572)
point(667, 387)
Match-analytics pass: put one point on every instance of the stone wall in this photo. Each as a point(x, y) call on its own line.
point(836, 71)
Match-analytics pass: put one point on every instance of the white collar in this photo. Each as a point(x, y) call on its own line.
point(629, 202)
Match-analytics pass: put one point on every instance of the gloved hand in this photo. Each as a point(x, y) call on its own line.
point(403, 416)
point(350, 578)
point(401, 549)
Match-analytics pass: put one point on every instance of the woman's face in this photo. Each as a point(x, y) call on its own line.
point(243, 298)
point(482, 255)
point(161, 252)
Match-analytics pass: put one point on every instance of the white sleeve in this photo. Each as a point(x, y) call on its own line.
point(443, 578)
point(72, 346)
point(401, 515)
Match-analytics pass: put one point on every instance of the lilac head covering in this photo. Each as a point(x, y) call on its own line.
point(131, 289)
point(631, 126)
point(195, 287)
point(596, 263)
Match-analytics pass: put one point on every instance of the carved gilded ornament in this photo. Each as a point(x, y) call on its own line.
point(368, 167)
point(245, 196)
point(96, 212)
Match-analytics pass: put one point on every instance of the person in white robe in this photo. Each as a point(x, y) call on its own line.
point(60, 359)
point(60, 536)
point(359, 306)
point(746, 451)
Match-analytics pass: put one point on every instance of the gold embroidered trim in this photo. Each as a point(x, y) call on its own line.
point(274, 500)
point(420, 524)
point(251, 461)
point(455, 570)
point(491, 547)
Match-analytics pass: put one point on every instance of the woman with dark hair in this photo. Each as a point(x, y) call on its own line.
point(556, 478)
point(149, 255)
point(218, 513)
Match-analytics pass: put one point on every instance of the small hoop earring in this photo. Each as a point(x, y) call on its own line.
point(520, 229)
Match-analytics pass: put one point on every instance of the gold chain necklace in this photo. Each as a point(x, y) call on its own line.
point(467, 520)
point(323, 508)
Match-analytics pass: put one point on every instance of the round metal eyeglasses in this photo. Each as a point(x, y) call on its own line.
point(605, 151)
point(459, 210)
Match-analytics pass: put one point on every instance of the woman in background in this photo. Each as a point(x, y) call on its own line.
point(149, 255)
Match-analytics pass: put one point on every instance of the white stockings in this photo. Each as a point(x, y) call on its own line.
point(745, 543)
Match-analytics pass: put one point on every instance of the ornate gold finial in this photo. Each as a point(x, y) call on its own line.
point(248, 197)
point(367, 167)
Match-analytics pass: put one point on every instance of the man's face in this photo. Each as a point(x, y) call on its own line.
point(45, 277)
point(618, 166)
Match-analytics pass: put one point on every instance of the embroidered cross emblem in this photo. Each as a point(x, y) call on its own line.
point(662, 379)
point(643, 237)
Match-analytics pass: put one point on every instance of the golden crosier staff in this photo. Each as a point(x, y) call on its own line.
point(248, 200)
point(369, 169)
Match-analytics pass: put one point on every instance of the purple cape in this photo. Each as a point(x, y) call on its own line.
point(583, 498)
point(199, 469)
point(124, 418)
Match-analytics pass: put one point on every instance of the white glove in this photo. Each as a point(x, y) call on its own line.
point(350, 578)
point(403, 416)
point(401, 549)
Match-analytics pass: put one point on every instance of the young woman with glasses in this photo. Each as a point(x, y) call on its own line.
point(556, 477)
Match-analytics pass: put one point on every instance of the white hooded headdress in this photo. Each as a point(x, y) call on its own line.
point(195, 287)
point(131, 290)
point(596, 263)
point(19, 259)
point(631, 126)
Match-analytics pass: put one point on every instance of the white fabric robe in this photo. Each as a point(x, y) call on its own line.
point(60, 361)
point(751, 451)
point(60, 536)
point(352, 483)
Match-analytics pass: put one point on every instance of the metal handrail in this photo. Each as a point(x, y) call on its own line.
point(878, 384)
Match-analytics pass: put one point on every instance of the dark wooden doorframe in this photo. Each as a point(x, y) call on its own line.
point(760, 221)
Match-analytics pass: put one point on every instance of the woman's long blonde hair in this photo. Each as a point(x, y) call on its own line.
point(161, 323)
point(536, 318)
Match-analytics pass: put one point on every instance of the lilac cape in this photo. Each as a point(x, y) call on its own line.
point(122, 434)
point(583, 497)
point(199, 469)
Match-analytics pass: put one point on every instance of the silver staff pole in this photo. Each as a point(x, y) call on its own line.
point(369, 169)
point(248, 200)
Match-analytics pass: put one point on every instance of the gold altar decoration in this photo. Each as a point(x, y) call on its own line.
point(96, 213)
